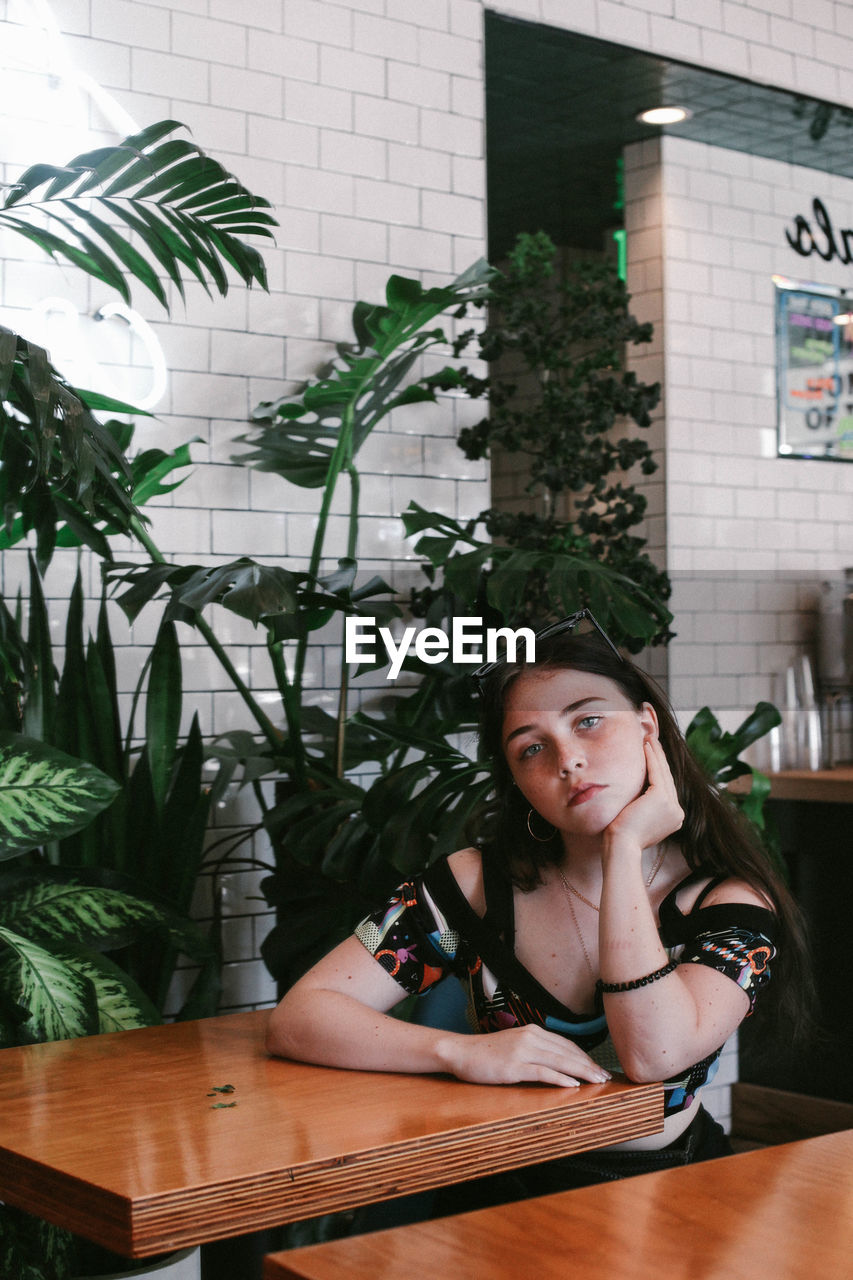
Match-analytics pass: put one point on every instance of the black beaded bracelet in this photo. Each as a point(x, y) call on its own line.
point(609, 987)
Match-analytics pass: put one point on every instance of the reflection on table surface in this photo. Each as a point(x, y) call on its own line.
point(148, 1140)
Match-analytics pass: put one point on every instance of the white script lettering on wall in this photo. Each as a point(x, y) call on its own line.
point(820, 237)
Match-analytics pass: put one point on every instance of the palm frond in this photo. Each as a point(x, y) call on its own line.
point(188, 214)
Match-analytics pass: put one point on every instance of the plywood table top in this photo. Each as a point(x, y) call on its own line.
point(132, 1140)
point(784, 1212)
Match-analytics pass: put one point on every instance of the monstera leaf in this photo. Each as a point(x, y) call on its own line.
point(45, 794)
point(474, 568)
point(308, 440)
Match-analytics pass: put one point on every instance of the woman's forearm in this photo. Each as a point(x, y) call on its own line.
point(654, 1028)
point(664, 1026)
point(336, 1030)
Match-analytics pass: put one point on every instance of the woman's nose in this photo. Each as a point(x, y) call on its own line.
point(571, 758)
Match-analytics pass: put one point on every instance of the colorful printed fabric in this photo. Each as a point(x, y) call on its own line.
point(419, 943)
point(738, 953)
point(410, 939)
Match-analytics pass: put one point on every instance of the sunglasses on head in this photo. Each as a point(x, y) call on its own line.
point(565, 625)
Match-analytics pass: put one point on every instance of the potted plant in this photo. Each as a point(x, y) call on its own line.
point(338, 841)
point(323, 818)
point(153, 208)
point(57, 980)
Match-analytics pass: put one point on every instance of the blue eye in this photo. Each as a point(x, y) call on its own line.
point(588, 722)
point(532, 750)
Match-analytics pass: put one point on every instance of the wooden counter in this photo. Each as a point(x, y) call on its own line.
point(834, 786)
point(132, 1140)
point(784, 1213)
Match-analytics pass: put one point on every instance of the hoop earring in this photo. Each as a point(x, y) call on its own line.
point(538, 839)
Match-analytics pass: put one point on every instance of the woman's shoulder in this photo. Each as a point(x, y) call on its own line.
point(466, 867)
point(692, 887)
point(734, 889)
point(706, 887)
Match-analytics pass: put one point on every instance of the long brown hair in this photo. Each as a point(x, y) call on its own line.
point(714, 836)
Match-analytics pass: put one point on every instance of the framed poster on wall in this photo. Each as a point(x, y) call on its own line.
point(814, 371)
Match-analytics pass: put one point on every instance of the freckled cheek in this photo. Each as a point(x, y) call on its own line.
point(627, 767)
point(531, 786)
point(637, 773)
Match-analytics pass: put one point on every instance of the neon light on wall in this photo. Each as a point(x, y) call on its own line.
point(48, 54)
point(56, 323)
point(58, 326)
point(142, 330)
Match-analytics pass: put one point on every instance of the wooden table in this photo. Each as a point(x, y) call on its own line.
point(125, 1139)
point(780, 1212)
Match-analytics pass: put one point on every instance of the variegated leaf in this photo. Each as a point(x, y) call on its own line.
point(122, 1005)
point(45, 794)
point(61, 1001)
point(62, 911)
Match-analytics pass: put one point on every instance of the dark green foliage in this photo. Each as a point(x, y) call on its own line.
point(94, 915)
point(153, 832)
point(360, 798)
point(61, 467)
point(65, 476)
point(559, 393)
point(45, 794)
point(719, 752)
point(187, 213)
point(371, 796)
point(32, 1249)
point(519, 583)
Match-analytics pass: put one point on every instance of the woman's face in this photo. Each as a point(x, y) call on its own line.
point(574, 745)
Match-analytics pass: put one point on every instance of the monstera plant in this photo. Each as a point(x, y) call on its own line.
point(365, 792)
point(359, 791)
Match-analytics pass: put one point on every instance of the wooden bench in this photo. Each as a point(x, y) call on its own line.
point(762, 1116)
point(781, 1212)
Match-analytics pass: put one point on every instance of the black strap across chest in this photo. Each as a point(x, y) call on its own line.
point(492, 936)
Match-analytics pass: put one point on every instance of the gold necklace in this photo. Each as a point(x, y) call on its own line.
point(658, 863)
point(577, 926)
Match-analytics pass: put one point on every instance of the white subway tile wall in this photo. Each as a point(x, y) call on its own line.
point(738, 518)
point(363, 121)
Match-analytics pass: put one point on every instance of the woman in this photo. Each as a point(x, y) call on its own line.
point(615, 915)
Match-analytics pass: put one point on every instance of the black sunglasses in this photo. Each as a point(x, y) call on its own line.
point(571, 623)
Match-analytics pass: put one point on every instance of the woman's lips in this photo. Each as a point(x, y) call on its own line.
point(583, 794)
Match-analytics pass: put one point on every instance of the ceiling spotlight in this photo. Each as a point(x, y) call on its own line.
point(664, 115)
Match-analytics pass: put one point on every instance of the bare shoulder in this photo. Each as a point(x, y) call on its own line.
point(735, 890)
point(467, 868)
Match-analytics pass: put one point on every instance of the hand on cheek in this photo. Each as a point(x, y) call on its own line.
point(656, 812)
